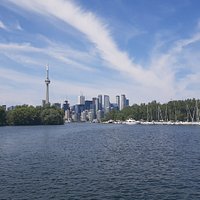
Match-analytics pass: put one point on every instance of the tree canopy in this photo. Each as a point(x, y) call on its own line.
point(2, 116)
point(51, 116)
point(181, 110)
point(29, 115)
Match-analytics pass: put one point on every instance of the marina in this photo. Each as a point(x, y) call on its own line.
point(134, 122)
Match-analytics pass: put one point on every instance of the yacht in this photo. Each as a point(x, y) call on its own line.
point(131, 122)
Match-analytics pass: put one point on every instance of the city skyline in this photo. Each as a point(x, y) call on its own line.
point(93, 110)
point(148, 50)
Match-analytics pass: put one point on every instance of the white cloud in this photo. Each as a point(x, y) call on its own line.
point(158, 80)
point(18, 26)
point(180, 60)
point(15, 26)
point(22, 53)
point(18, 47)
point(98, 33)
point(3, 26)
point(146, 82)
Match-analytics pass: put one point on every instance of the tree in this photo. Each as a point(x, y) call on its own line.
point(111, 115)
point(181, 110)
point(2, 116)
point(29, 115)
point(52, 116)
point(24, 115)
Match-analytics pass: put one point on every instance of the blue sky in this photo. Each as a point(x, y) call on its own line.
point(146, 49)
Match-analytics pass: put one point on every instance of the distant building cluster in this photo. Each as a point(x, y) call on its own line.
point(93, 110)
point(7, 108)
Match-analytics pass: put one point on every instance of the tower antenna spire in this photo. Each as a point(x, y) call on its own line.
point(47, 71)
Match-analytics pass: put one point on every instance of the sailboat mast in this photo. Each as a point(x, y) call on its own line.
point(175, 117)
point(197, 112)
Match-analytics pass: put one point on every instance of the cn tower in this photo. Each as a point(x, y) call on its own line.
point(47, 81)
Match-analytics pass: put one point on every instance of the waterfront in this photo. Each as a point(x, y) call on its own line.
point(100, 161)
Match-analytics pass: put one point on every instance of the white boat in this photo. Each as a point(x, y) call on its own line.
point(131, 122)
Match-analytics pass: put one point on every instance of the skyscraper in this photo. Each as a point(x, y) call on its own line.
point(95, 105)
point(123, 101)
point(106, 104)
point(96, 102)
point(118, 101)
point(88, 105)
point(100, 101)
point(81, 100)
point(47, 81)
point(127, 102)
point(66, 106)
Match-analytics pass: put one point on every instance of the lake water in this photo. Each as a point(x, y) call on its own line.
point(99, 161)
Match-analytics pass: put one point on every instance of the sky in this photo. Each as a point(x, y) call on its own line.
point(146, 49)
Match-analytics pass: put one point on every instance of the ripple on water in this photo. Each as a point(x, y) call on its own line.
point(94, 161)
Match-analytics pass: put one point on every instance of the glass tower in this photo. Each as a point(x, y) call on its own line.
point(106, 104)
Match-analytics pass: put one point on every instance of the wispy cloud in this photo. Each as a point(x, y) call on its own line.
point(181, 56)
point(17, 26)
point(3, 26)
point(97, 32)
point(22, 52)
point(18, 47)
point(157, 80)
point(9, 27)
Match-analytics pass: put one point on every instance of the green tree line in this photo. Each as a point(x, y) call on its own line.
point(30, 115)
point(179, 110)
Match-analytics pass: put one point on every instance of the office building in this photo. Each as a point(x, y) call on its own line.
point(3, 106)
point(66, 106)
point(88, 105)
point(67, 116)
point(114, 106)
point(75, 117)
point(91, 115)
point(79, 108)
point(96, 104)
point(43, 102)
point(100, 101)
point(81, 100)
point(57, 105)
point(118, 101)
point(106, 104)
point(123, 101)
point(11, 108)
point(127, 102)
point(83, 116)
point(99, 115)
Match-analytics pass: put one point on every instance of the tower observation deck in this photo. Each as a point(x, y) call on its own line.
point(47, 81)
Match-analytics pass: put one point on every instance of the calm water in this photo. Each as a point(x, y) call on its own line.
point(95, 161)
